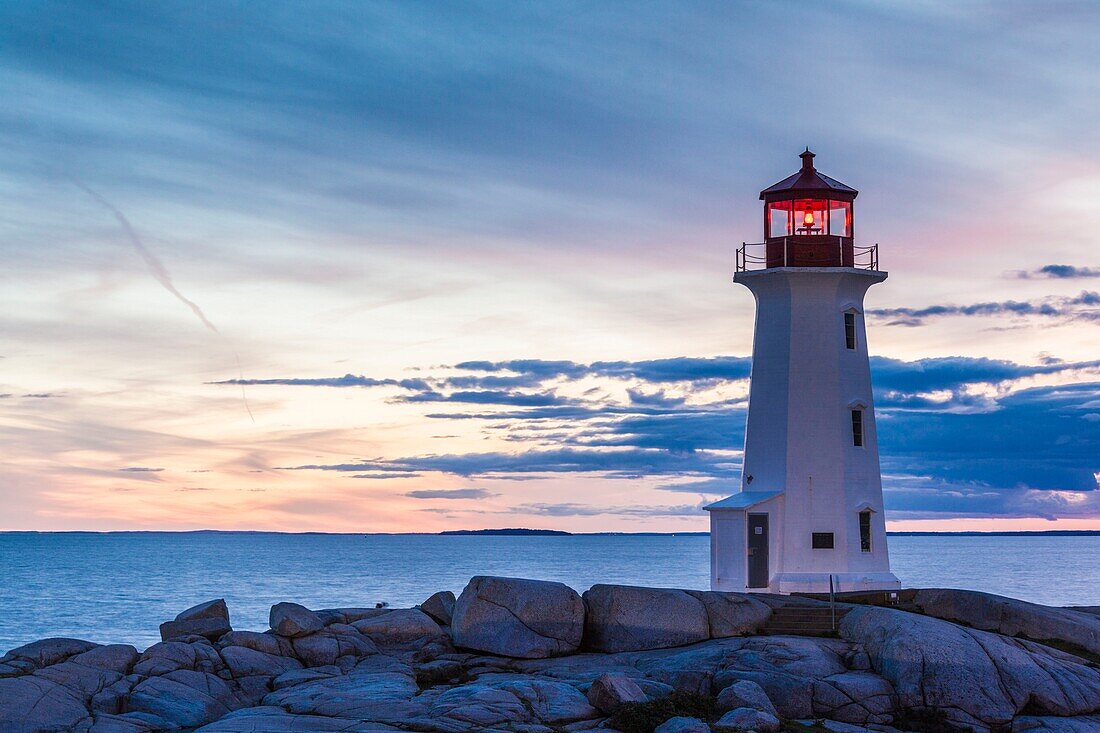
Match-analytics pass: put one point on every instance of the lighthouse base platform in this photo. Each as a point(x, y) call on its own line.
point(841, 582)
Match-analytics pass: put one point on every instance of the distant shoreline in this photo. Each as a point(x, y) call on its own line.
point(520, 532)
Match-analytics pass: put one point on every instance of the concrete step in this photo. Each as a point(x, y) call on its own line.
point(799, 620)
point(797, 632)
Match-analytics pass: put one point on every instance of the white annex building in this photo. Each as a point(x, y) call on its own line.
point(810, 505)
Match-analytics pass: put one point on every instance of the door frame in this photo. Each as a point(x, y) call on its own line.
point(749, 556)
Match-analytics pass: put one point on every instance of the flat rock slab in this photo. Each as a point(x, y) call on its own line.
point(1012, 617)
point(269, 719)
point(979, 679)
point(513, 617)
point(398, 626)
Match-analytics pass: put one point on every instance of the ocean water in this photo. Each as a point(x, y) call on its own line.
point(119, 587)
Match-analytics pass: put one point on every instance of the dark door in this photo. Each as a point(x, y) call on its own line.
point(758, 550)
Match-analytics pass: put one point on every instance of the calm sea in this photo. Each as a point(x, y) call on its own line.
point(119, 587)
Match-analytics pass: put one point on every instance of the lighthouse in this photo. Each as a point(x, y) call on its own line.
point(808, 516)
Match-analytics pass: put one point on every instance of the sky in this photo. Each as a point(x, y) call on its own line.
point(390, 267)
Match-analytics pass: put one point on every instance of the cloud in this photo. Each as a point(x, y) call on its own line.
point(676, 369)
point(587, 510)
point(491, 397)
point(1077, 308)
point(1058, 272)
point(945, 438)
point(450, 494)
point(348, 380)
point(613, 463)
point(141, 469)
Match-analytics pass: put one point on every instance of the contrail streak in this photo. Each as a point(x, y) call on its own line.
point(244, 397)
point(156, 267)
point(160, 272)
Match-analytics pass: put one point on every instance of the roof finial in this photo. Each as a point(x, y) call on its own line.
point(807, 159)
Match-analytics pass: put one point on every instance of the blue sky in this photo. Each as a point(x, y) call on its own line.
point(511, 225)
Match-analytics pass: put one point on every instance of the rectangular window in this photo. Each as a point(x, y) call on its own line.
point(857, 428)
point(850, 330)
point(865, 531)
point(821, 540)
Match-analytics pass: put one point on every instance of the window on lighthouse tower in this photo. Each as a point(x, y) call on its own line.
point(865, 530)
point(857, 428)
point(850, 330)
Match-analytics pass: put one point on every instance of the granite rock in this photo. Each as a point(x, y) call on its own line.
point(518, 618)
point(745, 694)
point(626, 618)
point(681, 724)
point(1011, 617)
point(610, 691)
point(209, 620)
point(293, 620)
point(747, 719)
point(440, 606)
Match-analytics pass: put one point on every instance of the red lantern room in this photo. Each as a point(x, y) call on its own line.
point(808, 220)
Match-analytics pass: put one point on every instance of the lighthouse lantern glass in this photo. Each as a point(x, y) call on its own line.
point(779, 218)
point(801, 217)
point(840, 218)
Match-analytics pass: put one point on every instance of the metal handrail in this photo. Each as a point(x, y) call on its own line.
point(863, 258)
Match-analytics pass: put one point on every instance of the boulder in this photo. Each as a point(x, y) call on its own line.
point(440, 606)
point(747, 719)
point(266, 643)
point(732, 614)
point(512, 617)
point(437, 671)
point(245, 662)
point(184, 697)
point(681, 724)
point(30, 704)
point(83, 681)
point(745, 694)
point(1012, 617)
point(209, 620)
point(168, 656)
point(328, 646)
point(293, 620)
point(626, 618)
point(114, 657)
point(44, 652)
point(977, 678)
point(398, 626)
point(610, 691)
point(792, 695)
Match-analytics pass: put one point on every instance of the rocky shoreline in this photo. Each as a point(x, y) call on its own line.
point(532, 656)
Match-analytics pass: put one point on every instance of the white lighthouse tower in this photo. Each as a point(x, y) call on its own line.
point(809, 511)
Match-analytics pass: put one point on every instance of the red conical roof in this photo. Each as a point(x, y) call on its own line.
point(808, 183)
